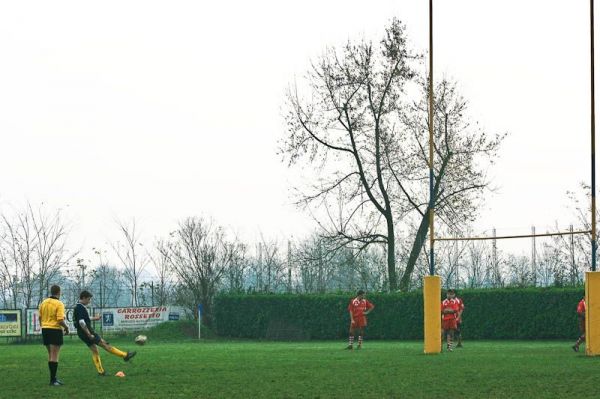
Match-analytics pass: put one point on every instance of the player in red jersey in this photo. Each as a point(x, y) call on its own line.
point(461, 309)
point(359, 308)
point(581, 319)
point(450, 308)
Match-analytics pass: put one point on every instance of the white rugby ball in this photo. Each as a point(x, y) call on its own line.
point(141, 339)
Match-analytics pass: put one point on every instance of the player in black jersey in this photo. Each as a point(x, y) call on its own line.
point(86, 333)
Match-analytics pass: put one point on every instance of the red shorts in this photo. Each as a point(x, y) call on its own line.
point(449, 324)
point(359, 322)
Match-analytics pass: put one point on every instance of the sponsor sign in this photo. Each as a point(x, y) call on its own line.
point(139, 318)
point(34, 326)
point(10, 323)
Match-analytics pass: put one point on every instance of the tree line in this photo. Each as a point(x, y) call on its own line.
point(200, 259)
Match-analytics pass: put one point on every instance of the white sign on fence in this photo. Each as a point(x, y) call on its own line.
point(140, 318)
point(35, 328)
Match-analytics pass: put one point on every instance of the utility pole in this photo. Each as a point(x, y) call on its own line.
point(495, 257)
point(82, 266)
point(533, 256)
point(289, 264)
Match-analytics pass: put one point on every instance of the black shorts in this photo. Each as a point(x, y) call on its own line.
point(89, 341)
point(52, 336)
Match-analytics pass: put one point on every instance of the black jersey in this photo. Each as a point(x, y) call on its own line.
point(81, 313)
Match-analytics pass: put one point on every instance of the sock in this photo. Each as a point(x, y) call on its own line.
point(360, 340)
point(117, 352)
point(351, 340)
point(53, 366)
point(97, 363)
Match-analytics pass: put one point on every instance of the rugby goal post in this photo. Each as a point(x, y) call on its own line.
point(432, 283)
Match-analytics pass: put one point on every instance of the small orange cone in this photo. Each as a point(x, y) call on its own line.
point(120, 374)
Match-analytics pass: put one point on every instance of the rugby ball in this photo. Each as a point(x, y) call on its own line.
point(141, 339)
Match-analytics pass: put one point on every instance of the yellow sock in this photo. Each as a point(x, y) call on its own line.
point(117, 352)
point(97, 362)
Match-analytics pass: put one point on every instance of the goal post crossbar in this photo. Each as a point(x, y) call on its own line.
point(564, 233)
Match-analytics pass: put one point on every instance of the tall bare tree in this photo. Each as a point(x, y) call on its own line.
point(344, 126)
point(476, 264)
point(576, 250)
point(106, 280)
point(160, 260)
point(519, 269)
point(450, 262)
point(18, 258)
point(9, 269)
point(368, 137)
point(551, 269)
point(199, 253)
point(132, 257)
point(236, 274)
point(4, 289)
point(268, 269)
point(52, 254)
point(316, 265)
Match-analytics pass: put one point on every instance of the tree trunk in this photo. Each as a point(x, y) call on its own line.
point(206, 310)
point(415, 251)
point(206, 296)
point(391, 254)
point(423, 228)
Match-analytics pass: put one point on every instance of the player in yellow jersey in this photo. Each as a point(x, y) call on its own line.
point(52, 318)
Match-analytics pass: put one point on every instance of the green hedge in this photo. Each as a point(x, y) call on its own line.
point(531, 313)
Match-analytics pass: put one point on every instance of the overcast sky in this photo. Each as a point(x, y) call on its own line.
point(162, 110)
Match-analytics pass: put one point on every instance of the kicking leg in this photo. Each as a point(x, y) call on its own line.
point(115, 351)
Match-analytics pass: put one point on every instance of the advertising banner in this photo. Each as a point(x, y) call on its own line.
point(138, 318)
point(10, 323)
point(35, 328)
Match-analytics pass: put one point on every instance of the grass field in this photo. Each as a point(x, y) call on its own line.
point(240, 369)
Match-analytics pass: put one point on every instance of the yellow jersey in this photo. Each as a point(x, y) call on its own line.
point(52, 312)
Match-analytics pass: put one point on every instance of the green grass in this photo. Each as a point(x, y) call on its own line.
point(240, 369)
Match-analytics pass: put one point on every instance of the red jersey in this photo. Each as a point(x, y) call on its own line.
point(450, 304)
point(358, 307)
point(581, 307)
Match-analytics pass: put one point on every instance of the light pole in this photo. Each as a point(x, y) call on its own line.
point(593, 135)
